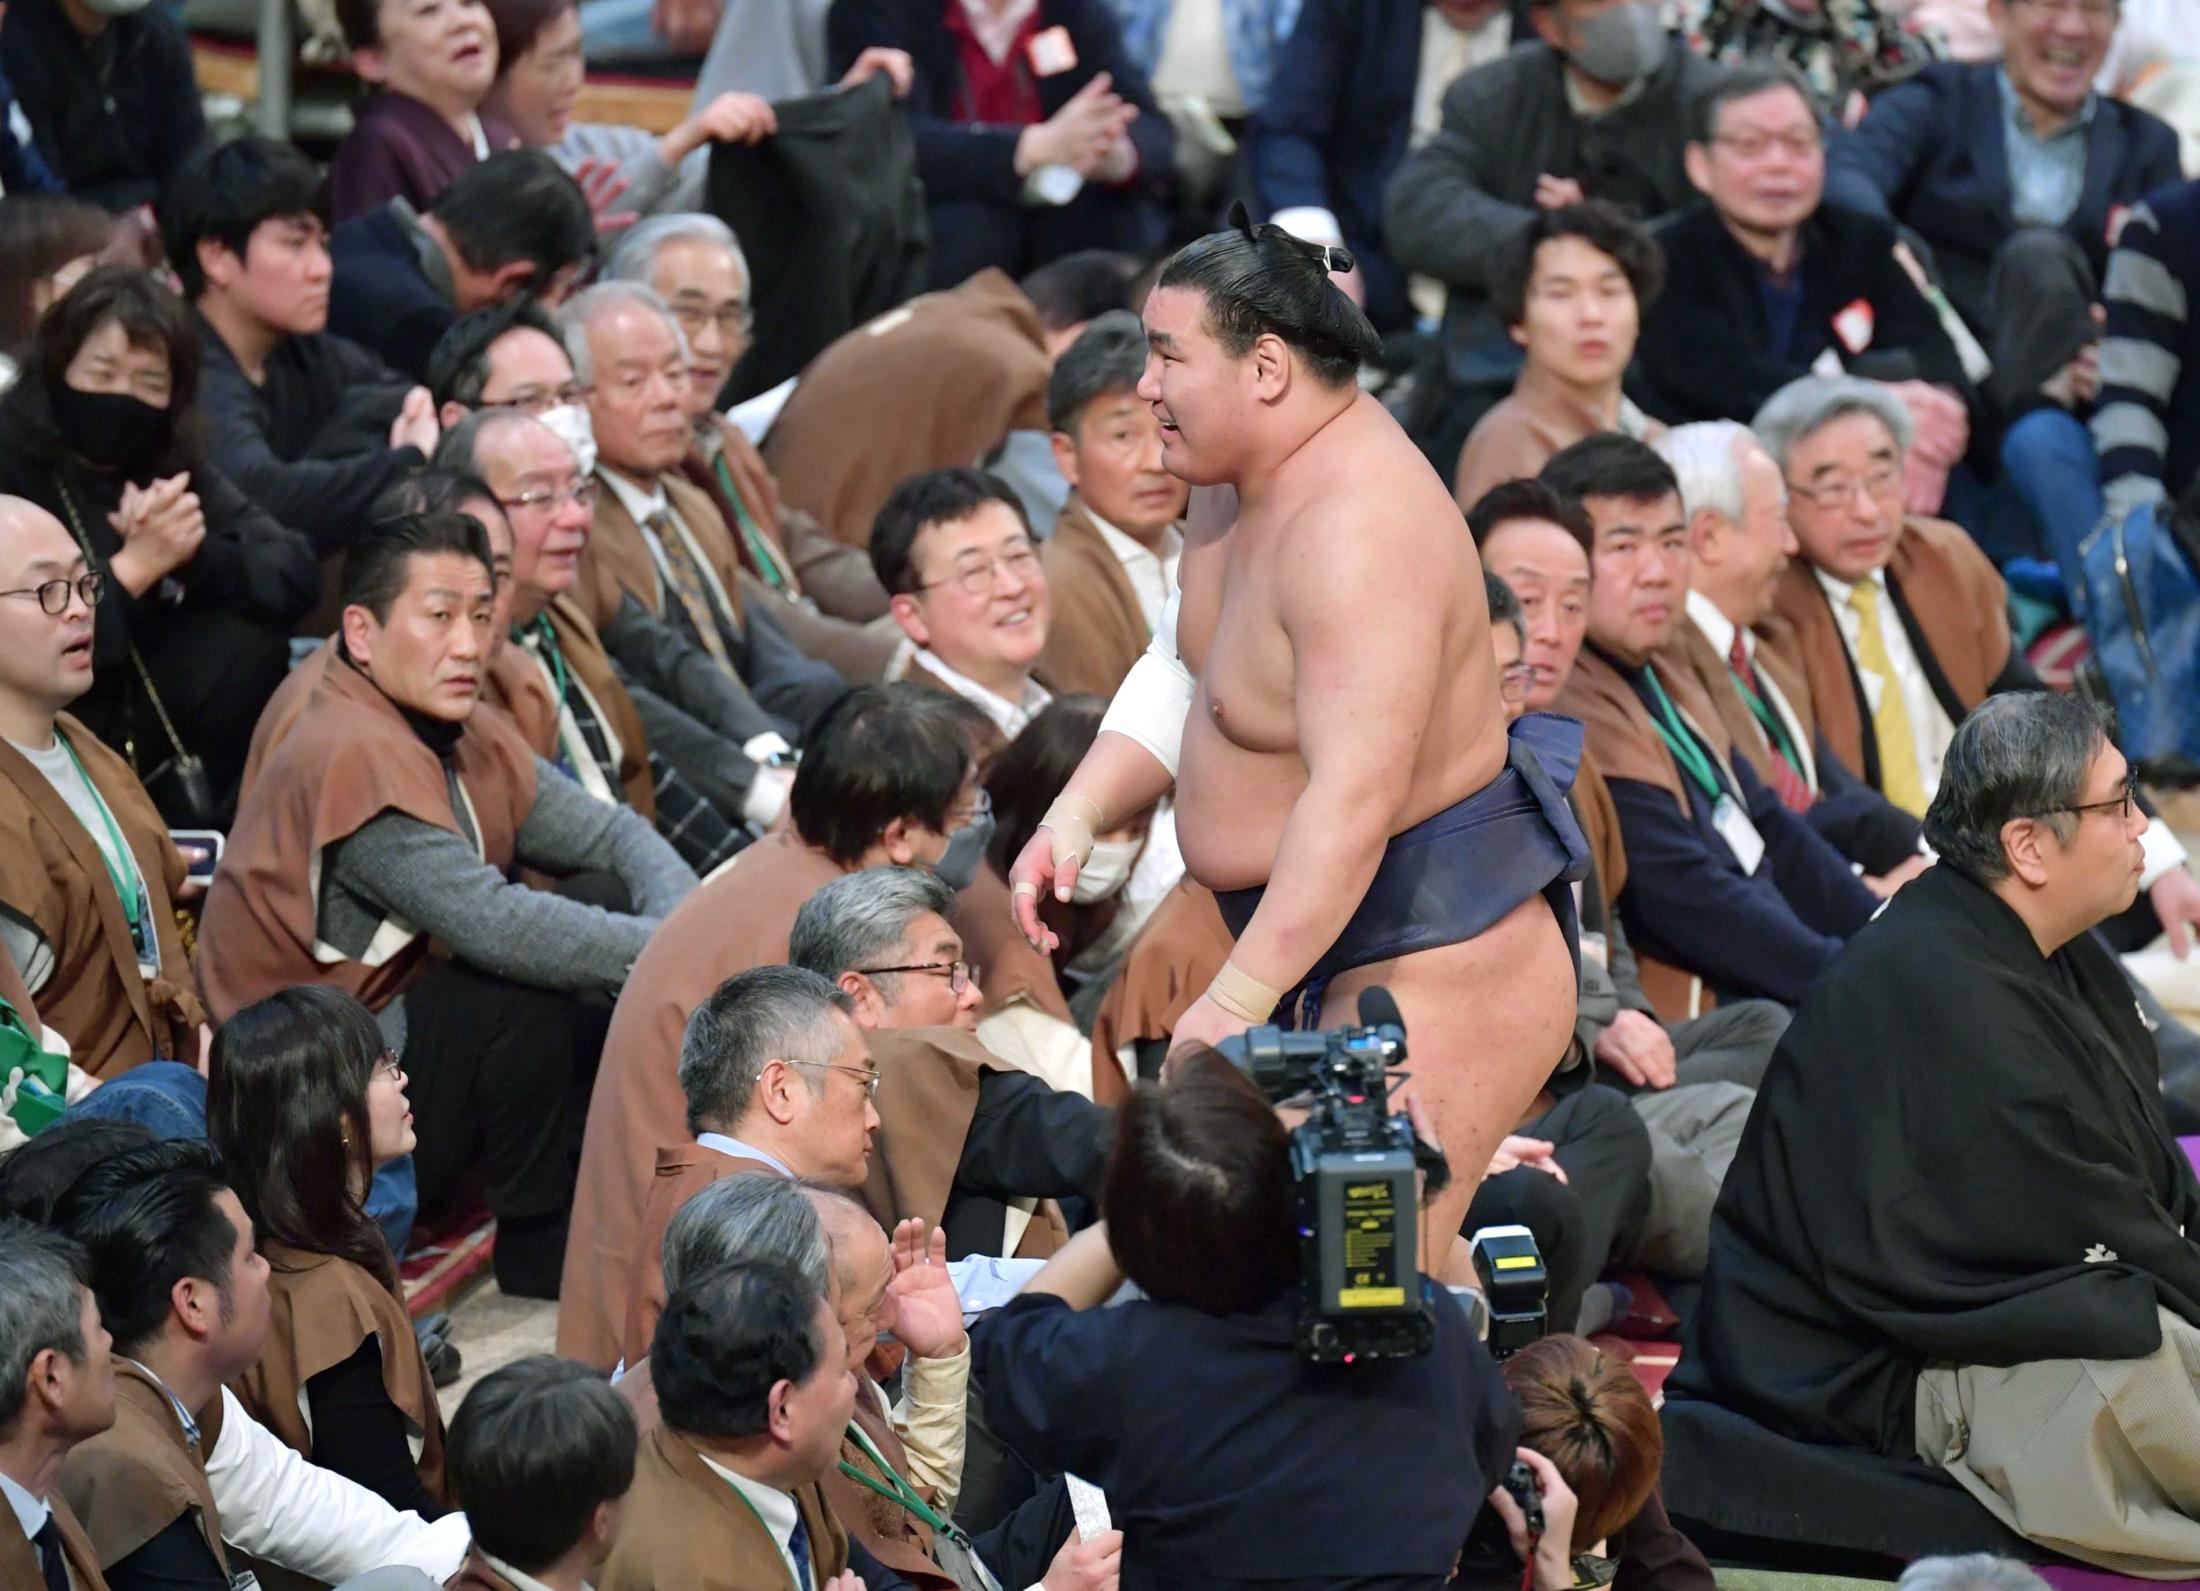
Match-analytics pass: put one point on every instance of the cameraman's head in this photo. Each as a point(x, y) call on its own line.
point(1591, 1418)
point(1198, 1196)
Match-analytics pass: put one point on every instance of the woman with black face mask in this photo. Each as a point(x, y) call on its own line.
point(203, 587)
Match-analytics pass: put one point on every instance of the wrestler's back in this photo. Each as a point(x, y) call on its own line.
point(1360, 480)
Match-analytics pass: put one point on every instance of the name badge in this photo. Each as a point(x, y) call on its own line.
point(1853, 326)
point(1740, 834)
point(1052, 53)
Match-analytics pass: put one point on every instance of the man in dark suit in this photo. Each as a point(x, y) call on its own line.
point(1033, 141)
point(1764, 279)
point(514, 223)
point(1725, 885)
point(1969, 156)
point(1358, 81)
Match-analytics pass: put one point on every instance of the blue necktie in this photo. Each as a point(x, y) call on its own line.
point(48, 1542)
point(798, 1548)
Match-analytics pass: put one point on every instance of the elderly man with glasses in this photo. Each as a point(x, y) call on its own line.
point(1959, 1229)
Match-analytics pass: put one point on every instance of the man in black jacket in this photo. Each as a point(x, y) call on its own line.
point(108, 91)
point(1765, 280)
point(313, 427)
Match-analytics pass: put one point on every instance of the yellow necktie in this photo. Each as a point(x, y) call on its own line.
point(688, 587)
point(1900, 780)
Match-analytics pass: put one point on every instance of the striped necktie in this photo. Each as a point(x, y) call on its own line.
point(688, 585)
point(1900, 780)
point(1787, 780)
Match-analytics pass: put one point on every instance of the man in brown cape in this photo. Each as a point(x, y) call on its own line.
point(1111, 562)
point(49, 1325)
point(887, 778)
point(750, 1366)
point(389, 819)
point(88, 878)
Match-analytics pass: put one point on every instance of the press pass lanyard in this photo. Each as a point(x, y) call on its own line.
point(1674, 732)
point(1774, 727)
point(127, 885)
point(554, 654)
point(894, 1489)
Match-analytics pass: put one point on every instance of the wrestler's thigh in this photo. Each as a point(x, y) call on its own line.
point(1487, 1022)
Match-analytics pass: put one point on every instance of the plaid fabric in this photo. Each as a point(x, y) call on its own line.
point(703, 835)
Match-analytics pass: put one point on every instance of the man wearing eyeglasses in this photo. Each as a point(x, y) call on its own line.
point(1970, 156)
point(1765, 280)
point(1900, 622)
point(88, 878)
point(954, 549)
point(1959, 1228)
point(821, 591)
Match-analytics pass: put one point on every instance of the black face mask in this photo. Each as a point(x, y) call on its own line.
point(112, 430)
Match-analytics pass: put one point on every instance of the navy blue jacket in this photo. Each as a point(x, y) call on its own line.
point(382, 297)
point(1767, 934)
point(112, 117)
point(1228, 1460)
point(958, 159)
point(1930, 154)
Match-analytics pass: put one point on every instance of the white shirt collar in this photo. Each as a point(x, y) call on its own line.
point(1009, 717)
point(1717, 628)
point(644, 506)
point(778, 1509)
point(1128, 549)
point(1837, 590)
point(741, 1151)
point(518, 1580)
point(30, 1512)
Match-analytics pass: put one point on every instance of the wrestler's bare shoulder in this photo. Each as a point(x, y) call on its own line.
point(1361, 478)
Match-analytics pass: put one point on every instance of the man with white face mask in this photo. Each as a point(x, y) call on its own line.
point(1598, 110)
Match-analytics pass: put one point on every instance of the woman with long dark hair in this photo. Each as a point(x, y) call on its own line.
point(305, 1101)
point(101, 430)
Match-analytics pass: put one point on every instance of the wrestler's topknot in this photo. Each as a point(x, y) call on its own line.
point(1259, 279)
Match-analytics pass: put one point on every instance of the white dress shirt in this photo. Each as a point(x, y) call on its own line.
point(1152, 575)
point(1718, 629)
point(519, 1579)
point(741, 1151)
point(779, 1512)
point(30, 1512)
point(1930, 725)
point(1009, 717)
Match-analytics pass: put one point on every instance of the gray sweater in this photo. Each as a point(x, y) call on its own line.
point(397, 867)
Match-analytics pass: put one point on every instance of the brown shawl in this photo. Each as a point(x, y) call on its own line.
point(1167, 965)
point(684, 1526)
point(1599, 820)
point(738, 920)
point(681, 1173)
point(1954, 594)
point(1520, 435)
point(348, 758)
point(520, 683)
point(888, 1531)
point(927, 1098)
point(1097, 630)
point(138, 1477)
point(53, 873)
point(280, 715)
point(936, 383)
point(20, 1569)
point(320, 1310)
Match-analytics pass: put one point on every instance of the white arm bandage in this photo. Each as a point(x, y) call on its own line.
point(1156, 696)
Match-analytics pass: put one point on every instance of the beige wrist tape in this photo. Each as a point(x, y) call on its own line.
point(1072, 820)
point(1243, 996)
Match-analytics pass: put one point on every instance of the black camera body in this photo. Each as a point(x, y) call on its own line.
point(1354, 1185)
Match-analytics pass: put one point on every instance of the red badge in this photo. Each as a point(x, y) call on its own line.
point(1853, 326)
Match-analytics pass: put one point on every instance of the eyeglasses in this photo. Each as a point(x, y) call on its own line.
point(957, 973)
point(2120, 804)
point(388, 1065)
point(734, 320)
point(1751, 145)
point(583, 493)
point(980, 579)
point(53, 595)
point(1512, 683)
point(871, 1078)
point(538, 403)
point(1839, 494)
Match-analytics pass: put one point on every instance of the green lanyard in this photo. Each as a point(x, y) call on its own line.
point(900, 1492)
point(760, 547)
point(1770, 719)
point(127, 885)
point(1680, 742)
point(547, 645)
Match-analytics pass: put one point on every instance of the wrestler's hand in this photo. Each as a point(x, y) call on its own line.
point(1640, 1050)
point(1203, 1022)
point(2176, 900)
point(1033, 874)
point(1514, 1151)
point(927, 1312)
